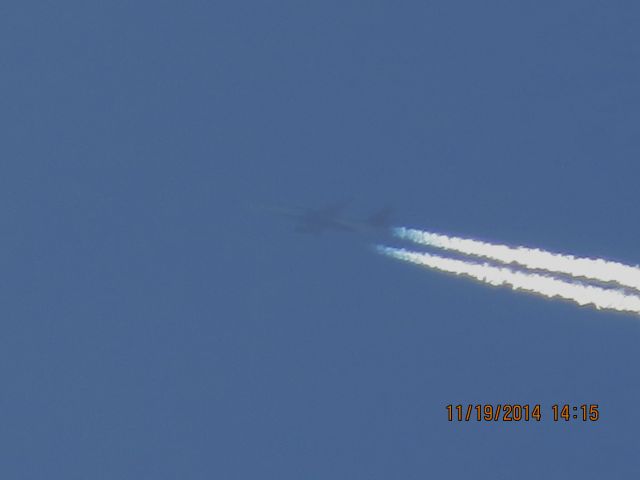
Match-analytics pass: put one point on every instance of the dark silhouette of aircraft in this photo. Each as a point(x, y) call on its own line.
point(330, 218)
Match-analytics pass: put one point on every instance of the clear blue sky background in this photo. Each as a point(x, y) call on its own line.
point(157, 326)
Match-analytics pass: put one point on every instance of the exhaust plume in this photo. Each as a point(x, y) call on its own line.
point(591, 268)
point(548, 286)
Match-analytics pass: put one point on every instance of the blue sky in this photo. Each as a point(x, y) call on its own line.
point(155, 324)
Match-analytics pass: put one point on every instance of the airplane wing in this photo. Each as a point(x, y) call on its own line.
point(380, 219)
point(334, 210)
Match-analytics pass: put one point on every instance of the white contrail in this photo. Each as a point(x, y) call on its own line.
point(601, 298)
point(594, 268)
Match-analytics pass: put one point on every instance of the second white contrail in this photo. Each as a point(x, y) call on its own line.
point(600, 298)
point(592, 268)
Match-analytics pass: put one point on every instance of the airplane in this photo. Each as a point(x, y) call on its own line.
point(318, 220)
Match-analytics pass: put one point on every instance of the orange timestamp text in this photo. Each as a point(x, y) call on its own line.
point(516, 412)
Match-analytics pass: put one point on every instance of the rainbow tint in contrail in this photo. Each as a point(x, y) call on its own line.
point(547, 286)
point(590, 268)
